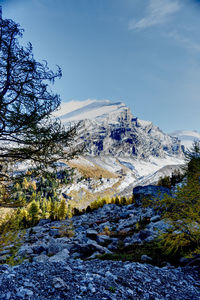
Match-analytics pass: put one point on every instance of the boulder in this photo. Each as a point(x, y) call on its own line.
point(155, 218)
point(143, 234)
point(60, 284)
point(146, 258)
point(159, 226)
point(54, 232)
point(43, 222)
point(41, 258)
point(132, 240)
point(23, 293)
point(114, 245)
point(87, 249)
point(60, 256)
point(37, 249)
point(128, 223)
point(54, 248)
point(149, 191)
point(25, 250)
point(92, 234)
point(4, 258)
point(103, 239)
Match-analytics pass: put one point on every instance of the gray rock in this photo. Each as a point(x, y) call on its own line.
point(92, 234)
point(155, 227)
point(8, 296)
point(132, 240)
point(75, 255)
point(124, 215)
point(60, 256)
point(114, 245)
point(143, 234)
point(41, 258)
point(54, 248)
point(94, 255)
point(59, 283)
point(43, 222)
point(4, 258)
point(91, 288)
point(149, 191)
point(54, 232)
point(25, 250)
point(146, 258)
point(155, 218)
point(93, 245)
point(23, 292)
point(104, 240)
point(4, 252)
point(39, 248)
point(128, 223)
point(97, 279)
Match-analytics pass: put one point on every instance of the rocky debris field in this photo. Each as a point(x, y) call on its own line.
point(89, 235)
point(61, 260)
point(103, 280)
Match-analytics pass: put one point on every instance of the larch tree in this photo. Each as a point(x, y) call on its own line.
point(28, 132)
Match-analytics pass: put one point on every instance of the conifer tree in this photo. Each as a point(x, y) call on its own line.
point(34, 212)
point(28, 131)
point(62, 210)
point(182, 211)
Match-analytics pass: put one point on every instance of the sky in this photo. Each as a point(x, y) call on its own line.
point(145, 53)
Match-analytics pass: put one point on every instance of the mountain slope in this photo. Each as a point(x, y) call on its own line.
point(111, 129)
point(115, 140)
point(187, 137)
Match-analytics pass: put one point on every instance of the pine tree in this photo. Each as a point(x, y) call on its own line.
point(34, 212)
point(62, 210)
point(53, 214)
point(193, 162)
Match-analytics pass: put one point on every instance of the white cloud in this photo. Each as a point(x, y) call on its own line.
point(185, 41)
point(157, 12)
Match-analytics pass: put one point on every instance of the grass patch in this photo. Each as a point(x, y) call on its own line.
point(92, 171)
point(134, 252)
point(4, 212)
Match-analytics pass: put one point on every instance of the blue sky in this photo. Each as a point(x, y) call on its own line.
point(145, 53)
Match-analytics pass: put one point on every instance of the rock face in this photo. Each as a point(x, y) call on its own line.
point(135, 152)
point(109, 128)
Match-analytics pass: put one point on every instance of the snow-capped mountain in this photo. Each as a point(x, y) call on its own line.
point(133, 150)
point(187, 137)
point(109, 128)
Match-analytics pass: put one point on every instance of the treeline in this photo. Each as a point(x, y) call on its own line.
point(102, 201)
point(36, 197)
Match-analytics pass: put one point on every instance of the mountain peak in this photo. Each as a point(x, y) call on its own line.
point(116, 141)
point(88, 109)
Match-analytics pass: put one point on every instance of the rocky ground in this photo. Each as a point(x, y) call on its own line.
point(78, 279)
point(61, 260)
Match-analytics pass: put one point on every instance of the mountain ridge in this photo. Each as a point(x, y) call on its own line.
point(112, 123)
point(135, 151)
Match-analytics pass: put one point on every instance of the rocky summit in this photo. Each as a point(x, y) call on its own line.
point(110, 128)
point(64, 259)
